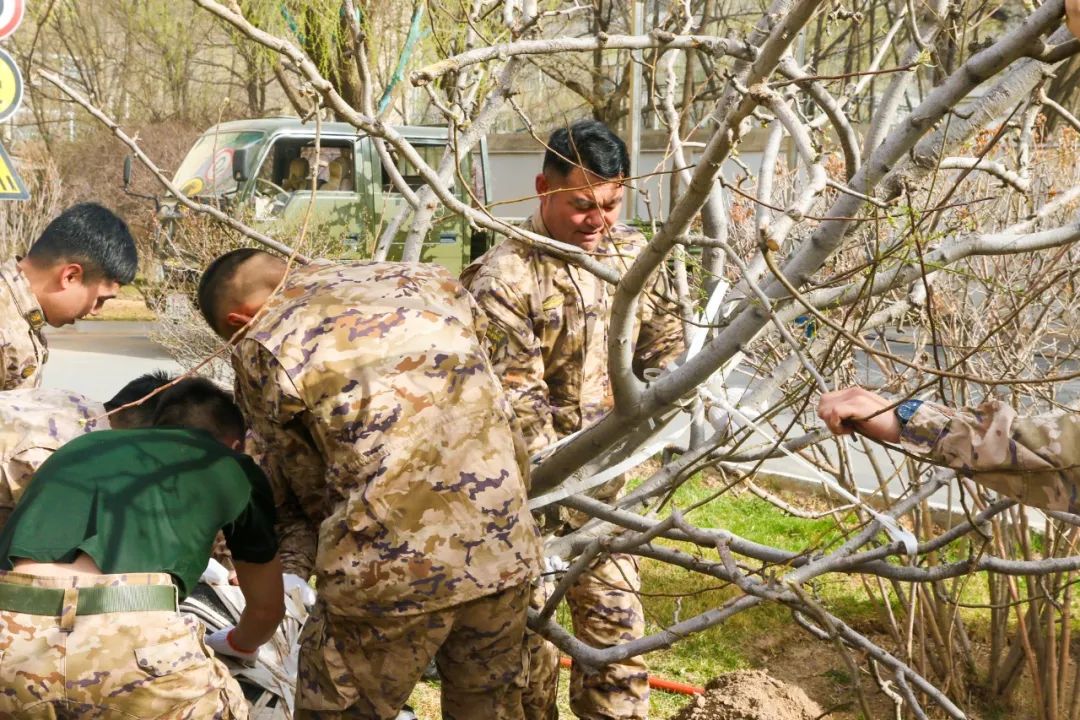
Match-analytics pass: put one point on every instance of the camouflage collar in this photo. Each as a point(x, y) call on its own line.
point(536, 224)
point(19, 287)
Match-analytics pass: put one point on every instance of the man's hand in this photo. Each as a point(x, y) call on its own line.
point(295, 582)
point(223, 644)
point(1072, 16)
point(857, 410)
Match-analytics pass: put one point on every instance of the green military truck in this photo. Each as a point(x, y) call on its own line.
point(263, 170)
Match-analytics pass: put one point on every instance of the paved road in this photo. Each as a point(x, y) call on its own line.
point(97, 358)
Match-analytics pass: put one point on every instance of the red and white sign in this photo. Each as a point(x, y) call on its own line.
point(11, 14)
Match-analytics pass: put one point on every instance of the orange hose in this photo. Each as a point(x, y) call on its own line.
point(656, 683)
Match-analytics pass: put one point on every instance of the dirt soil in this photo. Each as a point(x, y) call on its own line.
point(750, 695)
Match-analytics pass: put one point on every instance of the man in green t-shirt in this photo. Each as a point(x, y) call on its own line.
point(116, 525)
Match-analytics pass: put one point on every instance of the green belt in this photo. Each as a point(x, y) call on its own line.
point(92, 600)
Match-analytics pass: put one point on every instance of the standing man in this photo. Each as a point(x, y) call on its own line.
point(34, 422)
point(1034, 459)
point(80, 261)
point(115, 527)
point(397, 475)
point(548, 342)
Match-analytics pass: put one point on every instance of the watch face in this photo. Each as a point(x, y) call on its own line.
point(906, 410)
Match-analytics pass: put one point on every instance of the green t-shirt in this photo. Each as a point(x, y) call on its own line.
point(147, 500)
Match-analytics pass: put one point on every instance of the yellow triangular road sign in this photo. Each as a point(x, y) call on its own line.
point(12, 186)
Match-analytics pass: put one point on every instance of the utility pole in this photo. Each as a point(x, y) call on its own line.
point(634, 117)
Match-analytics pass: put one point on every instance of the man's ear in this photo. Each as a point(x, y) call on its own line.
point(69, 274)
point(237, 319)
point(542, 186)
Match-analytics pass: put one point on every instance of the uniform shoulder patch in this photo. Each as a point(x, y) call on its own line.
point(36, 318)
point(495, 336)
point(552, 302)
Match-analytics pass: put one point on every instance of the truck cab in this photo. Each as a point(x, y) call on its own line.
point(270, 171)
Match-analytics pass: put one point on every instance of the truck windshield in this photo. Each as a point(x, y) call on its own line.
point(207, 169)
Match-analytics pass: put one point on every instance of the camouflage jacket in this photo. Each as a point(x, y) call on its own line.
point(1035, 459)
point(548, 335)
point(22, 346)
point(34, 422)
point(383, 429)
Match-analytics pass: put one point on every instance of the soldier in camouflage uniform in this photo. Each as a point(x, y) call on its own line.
point(81, 259)
point(1035, 459)
point(548, 343)
point(34, 422)
point(397, 474)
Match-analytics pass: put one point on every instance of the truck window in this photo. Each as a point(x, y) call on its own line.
point(431, 154)
point(292, 162)
point(334, 165)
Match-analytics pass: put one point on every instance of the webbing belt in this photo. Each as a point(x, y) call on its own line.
point(92, 600)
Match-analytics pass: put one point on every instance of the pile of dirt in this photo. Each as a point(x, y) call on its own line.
point(750, 695)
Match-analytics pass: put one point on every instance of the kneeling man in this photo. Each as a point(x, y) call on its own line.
point(115, 527)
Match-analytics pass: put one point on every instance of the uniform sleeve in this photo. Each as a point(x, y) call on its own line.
point(296, 530)
point(11, 366)
point(293, 466)
point(1035, 459)
point(15, 476)
point(251, 537)
point(660, 339)
point(516, 357)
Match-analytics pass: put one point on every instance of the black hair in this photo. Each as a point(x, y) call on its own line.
point(215, 279)
point(589, 144)
point(200, 404)
point(93, 236)
point(141, 415)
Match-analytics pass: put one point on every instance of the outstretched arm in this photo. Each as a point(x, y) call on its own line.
point(264, 598)
point(1035, 459)
point(857, 410)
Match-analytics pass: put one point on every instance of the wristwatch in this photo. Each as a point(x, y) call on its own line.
point(906, 410)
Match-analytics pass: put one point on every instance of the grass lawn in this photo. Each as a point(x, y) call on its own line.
point(671, 595)
point(766, 636)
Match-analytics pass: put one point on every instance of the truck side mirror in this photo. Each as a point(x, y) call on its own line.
point(239, 164)
point(127, 171)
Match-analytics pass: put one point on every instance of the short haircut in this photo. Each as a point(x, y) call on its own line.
point(214, 283)
point(141, 415)
point(93, 236)
point(200, 404)
point(589, 144)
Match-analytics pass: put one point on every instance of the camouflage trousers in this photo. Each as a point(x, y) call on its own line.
point(606, 611)
point(365, 668)
point(124, 664)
